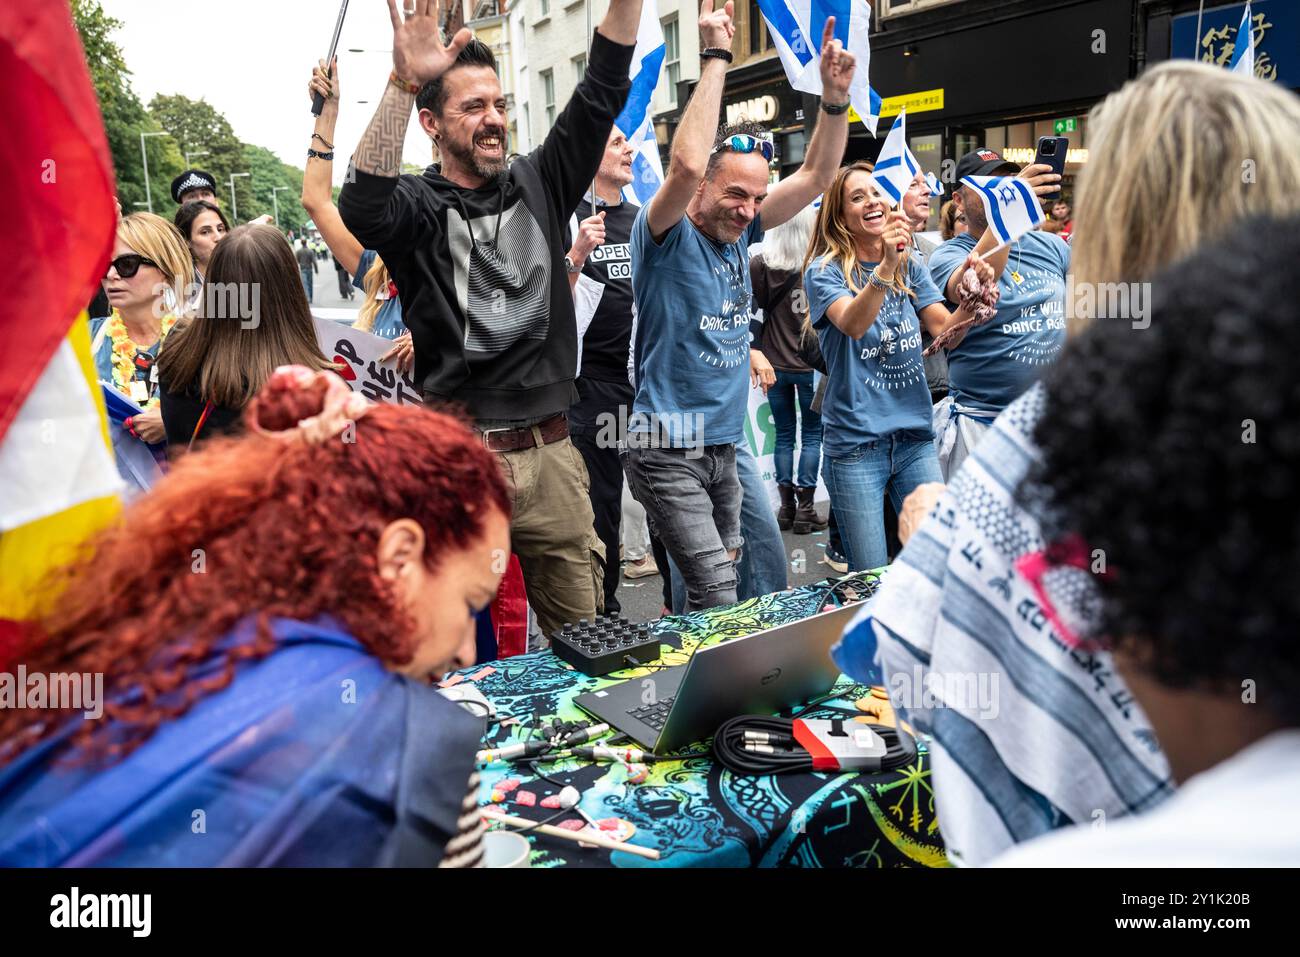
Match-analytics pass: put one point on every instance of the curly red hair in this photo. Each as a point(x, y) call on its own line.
point(282, 529)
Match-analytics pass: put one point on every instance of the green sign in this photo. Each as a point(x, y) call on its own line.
point(1066, 126)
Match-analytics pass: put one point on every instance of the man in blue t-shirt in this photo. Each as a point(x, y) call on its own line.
point(997, 361)
point(691, 287)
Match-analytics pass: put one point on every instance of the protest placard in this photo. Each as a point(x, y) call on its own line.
point(358, 355)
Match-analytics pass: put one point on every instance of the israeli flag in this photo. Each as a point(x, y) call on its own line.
point(896, 167)
point(636, 121)
point(796, 27)
point(936, 187)
point(1243, 54)
point(1010, 205)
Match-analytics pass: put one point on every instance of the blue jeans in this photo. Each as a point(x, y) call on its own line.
point(761, 568)
point(858, 483)
point(307, 282)
point(781, 398)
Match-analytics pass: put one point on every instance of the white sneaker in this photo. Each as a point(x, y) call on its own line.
point(645, 568)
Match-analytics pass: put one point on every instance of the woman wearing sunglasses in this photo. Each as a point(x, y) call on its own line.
point(868, 301)
point(147, 278)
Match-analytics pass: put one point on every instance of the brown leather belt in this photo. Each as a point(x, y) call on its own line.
point(513, 440)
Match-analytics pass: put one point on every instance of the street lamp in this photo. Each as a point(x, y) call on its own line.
point(148, 191)
point(199, 153)
point(234, 202)
point(276, 201)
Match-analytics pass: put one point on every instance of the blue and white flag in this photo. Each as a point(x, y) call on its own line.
point(636, 120)
point(796, 29)
point(1010, 205)
point(1243, 49)
point(936, 187)
point(895, 167)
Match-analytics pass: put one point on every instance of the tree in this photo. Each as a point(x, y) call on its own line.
point(124, 117)
point(269, 171)
point(193, 126)
point(197, 127)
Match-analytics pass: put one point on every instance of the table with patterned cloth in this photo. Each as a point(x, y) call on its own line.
point(695, 812)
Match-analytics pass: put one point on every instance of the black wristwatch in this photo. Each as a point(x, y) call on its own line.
point(835, 110)
point(716, 53)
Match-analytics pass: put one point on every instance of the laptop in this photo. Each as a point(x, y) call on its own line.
point(760, 673)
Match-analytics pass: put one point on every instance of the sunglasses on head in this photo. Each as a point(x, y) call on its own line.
point(129, 264)
point(744, 143)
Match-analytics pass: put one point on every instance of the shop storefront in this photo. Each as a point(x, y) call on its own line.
point(999, 77)
point(1275, 24)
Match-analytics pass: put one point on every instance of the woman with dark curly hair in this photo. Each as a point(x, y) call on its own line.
point(1190, 495)
point(263, 626)
point(1059, 739)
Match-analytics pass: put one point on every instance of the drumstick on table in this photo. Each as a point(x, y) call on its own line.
point(581, 837)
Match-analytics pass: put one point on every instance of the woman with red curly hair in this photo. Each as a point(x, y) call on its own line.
point(265, 624)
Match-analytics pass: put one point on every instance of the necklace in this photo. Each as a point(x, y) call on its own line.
point(124, 351)
point(734, 277)
point(1015, 270)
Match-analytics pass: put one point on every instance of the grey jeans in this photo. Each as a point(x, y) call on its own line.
point(693, 506)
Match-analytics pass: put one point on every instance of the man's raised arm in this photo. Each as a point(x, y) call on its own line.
point(418, 57)
point(621, 21)
point(831, 135)
point(694, 138)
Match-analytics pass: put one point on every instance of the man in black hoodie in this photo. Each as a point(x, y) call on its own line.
point(477, 250)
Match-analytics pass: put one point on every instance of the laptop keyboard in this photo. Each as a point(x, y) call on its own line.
point(655, 715)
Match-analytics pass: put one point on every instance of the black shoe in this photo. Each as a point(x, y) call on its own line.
point(785, 514)
point(805, 516)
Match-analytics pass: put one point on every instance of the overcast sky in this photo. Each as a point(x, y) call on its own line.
point(251, 59)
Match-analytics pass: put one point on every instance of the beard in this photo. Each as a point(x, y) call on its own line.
point(721, 226)
point(465, 156)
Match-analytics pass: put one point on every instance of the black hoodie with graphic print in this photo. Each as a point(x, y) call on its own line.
point(481, 271)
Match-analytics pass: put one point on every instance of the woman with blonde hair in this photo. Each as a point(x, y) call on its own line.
point(148, 278)
point(381, 310)
point(980, 591)
point(868, 299)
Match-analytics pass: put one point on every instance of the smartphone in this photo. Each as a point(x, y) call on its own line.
point(1051, 152)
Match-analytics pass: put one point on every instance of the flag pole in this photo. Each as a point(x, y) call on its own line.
point(1196, 44)
point(589, 40)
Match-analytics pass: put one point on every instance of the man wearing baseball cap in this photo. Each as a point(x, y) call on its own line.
point(1000, 359)
point(194, 184)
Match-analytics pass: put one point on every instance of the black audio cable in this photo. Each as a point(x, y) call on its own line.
point(759, 745)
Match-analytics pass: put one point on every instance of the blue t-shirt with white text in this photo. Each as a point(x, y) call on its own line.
point(876, 383)
point(996, 362)
point(692, 297)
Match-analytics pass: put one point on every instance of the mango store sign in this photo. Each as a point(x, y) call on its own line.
point(760, 109)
